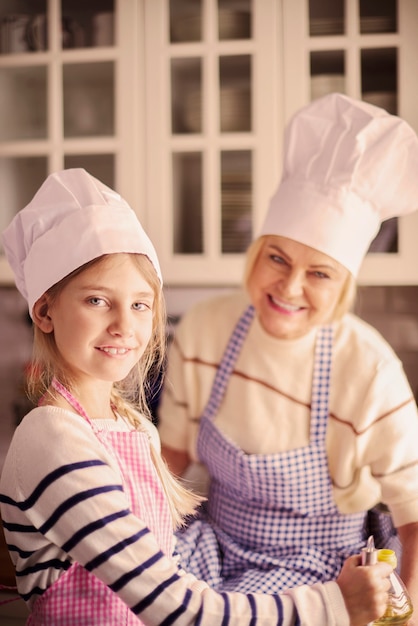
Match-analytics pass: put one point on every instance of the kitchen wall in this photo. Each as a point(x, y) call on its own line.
point(392, 310)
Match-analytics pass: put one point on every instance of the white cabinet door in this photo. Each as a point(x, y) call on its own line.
point(214, 117)
point(68, 82)
point(367, 50)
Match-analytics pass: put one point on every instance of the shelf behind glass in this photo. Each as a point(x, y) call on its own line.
point(23, 103)
point(186, 95)
point(234, 19)
point(185, 21)
point(23, 26)
point(235, 93)
point(102, 166)
point(236, 200)
point(187, 203)
point(86, 24)
point(89, 99)
point(20, 178)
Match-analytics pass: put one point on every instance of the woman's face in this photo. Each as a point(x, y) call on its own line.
point(294, 287)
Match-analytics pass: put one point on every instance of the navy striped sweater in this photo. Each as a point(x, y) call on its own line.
point(62, 502)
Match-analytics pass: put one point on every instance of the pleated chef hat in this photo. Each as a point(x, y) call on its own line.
point(348, 166)
point(72, 219)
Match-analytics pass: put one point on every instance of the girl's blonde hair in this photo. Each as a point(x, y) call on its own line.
point(348, 292)
point(128, 396)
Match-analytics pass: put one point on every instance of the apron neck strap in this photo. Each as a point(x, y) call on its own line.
point(67, 395)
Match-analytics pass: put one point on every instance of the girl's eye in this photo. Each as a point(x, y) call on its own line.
point(140, 306)
point(96, 301)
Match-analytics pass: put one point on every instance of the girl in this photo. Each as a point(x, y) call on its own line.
point(88, 507)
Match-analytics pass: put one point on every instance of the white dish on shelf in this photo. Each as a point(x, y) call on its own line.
point(326, 26)
point(231, 25)
point(378, 24)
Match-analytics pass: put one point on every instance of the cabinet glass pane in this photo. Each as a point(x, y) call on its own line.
point(327, 72)
point(236, 200)
point(23, 103)
point(185, 20)
point(87, 23)
point(88, 99)
point(386, 239)
point(326, 17)
point(187, 203)
point(186, 95)
point(379, 77)
point(102, 166)
point(23, 26)
point(378, 17)
point(234, 19)
point(20, 178)
point(235, 93)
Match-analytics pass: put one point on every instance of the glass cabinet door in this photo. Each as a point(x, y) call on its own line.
point(58, 94)
point(347, 50)
point(372, 62)
point(368, 50)
point(212, 98)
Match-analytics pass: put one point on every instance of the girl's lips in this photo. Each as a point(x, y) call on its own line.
point(114, 351)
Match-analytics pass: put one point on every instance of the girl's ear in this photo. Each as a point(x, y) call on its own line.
point(40, 315)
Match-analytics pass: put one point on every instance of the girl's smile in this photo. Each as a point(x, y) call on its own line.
point(102, 320)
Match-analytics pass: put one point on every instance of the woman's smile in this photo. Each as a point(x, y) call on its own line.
point(294, 287)
point(284, 307)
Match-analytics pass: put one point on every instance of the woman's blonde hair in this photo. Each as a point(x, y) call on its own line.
point(129, 396)
point(348, 292)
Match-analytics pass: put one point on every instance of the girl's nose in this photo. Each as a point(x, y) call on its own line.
point(121, 324)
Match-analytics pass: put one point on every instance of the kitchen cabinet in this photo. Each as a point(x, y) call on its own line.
point(68, 81)
point(367, 50)
point(215, 114)
point(228, 76)
point(180, 105)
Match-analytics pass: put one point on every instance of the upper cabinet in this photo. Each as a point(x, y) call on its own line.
point(62, 70)
point(214, 117)
point(224, 78)
point(180, 105)
point(368, 50)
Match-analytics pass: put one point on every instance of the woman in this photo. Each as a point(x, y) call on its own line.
point(299, 411)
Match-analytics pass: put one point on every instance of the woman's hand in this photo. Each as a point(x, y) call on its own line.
point(364, 589)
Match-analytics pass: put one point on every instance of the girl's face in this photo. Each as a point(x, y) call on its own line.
point(294, 287)
point(102, 320)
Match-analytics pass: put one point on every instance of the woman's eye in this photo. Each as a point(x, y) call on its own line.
point(321, 275)
point(140, 306)
point(278, 259)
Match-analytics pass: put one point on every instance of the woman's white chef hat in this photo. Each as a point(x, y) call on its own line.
point(72, 219)
point(348, 166)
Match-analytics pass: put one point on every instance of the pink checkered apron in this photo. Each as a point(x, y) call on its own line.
point(270, 522)
point(78, 598)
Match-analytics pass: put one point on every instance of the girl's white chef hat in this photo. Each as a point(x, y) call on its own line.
point(72, 219)
point(348, 166)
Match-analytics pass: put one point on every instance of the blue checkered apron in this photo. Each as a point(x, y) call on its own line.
point(270, 522)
